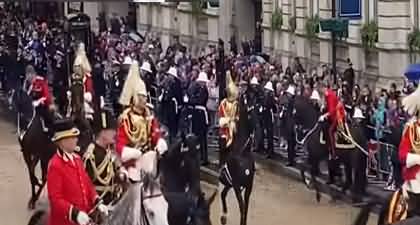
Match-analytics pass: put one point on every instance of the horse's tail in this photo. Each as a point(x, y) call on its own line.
point(37, 218)
point(363, 216)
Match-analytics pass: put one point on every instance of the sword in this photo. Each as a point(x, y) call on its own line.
point(355, 144)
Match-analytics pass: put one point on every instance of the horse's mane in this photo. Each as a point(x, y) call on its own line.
point(243, 129)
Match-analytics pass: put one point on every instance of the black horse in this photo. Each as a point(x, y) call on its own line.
point(36, 147)
point(239, 170)
point(348, 152)
point(180, 175)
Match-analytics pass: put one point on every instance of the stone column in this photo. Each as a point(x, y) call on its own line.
point(302, 44)
point(92, 10)
point(325, 46)
point(225, 21)
point(394, 24)
point(269, 34)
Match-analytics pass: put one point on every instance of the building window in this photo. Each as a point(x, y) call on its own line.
point(212, 4)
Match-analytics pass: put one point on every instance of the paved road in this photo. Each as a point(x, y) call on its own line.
point(14, 181)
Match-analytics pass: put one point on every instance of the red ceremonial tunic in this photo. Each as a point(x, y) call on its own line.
point(405, 148)
point(227, 110)
point(69, 188)
point(40, 85)
point(88, 84)
point(129, 122)
point(332, 102)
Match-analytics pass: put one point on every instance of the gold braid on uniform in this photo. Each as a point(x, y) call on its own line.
point(414, 137)
point(136, 127)
point(105, 165)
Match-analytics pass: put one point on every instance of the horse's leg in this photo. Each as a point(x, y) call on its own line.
point(30, 163)
point(248, 191)
point(314, 172)
point(241, 203)
point(223, 218)
point(348, 169)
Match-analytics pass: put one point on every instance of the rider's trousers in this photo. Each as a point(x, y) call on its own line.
point(331, 137)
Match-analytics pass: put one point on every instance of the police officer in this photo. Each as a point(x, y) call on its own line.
point(289, 124)
point(170, 99)
point(198, 96)
point(100, 163)
point(255, 98)
point(269, 108)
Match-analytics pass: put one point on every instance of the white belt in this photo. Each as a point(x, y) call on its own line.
point(204, 109)
point(176, 105)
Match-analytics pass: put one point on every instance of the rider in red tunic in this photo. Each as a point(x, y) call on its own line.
point(138, 131)
point(71, 193)
point(409, 153)
point(42, 100)
point(335, 115)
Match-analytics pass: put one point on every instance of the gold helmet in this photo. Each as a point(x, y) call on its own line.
point(411, 103)
point(133, 85)
point(81, 60)
point(231, 89)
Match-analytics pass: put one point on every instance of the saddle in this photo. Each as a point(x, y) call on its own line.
point(341, 142)
point(397, 208)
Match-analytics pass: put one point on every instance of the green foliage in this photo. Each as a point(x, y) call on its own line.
point(312, 27)
point(413, 40)
point(277, 19)
point(292, 23)
point(369, 34)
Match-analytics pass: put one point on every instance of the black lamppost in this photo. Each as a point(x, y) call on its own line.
point(334, 43)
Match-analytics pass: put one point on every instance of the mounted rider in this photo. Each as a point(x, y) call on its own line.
point(99, 159)
point(71, 194)
point(409, 153)
point(138, 130)
point(82, 74)
point(336, 117)
point(42, 101)
point(228, 114)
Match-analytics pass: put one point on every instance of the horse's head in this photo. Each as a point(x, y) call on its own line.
point(154, 203)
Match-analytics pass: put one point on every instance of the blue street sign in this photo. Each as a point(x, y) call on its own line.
point(350, 9)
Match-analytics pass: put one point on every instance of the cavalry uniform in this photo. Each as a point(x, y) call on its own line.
point(70, 191)
point(100, 162)
point(199, 96)
point(409, 153)
point(228, 114)
point(269, 108)
point(42, 100)
point(336, 117)
point(82, 76)
point(138, 130)
point(171, 99)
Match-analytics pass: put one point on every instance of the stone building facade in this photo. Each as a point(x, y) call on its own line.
point(379, 65)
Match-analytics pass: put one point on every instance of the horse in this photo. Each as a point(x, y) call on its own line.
point(239, 169)
point(350, 152)
point(142, 204)
point(180, 172)
point(36, 146)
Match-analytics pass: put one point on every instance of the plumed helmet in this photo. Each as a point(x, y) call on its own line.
point(411, 103)
point(81, 59)
point(231, 89)
point(133, 85)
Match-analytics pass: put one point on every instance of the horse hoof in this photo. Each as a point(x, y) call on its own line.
point(318, 197)
point(223, 220)
point(31, 205)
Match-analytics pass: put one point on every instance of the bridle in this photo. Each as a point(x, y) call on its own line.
point(145, 220)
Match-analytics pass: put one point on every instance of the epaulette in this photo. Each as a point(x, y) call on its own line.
point(124, 114)
point(408, 124)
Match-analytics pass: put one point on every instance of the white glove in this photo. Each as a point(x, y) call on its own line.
point(322, 118)
point(102, 104)
point(68, 94)
point(412, 160)
point(88, 97)
point(160, 97)
point(223, 121)
point(83, 218)
point(103, 209)
point(186, 99)
point(161, 146)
